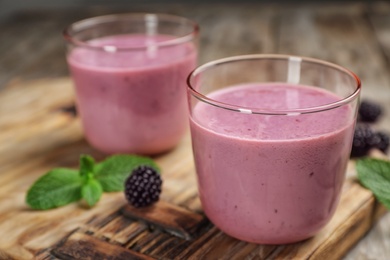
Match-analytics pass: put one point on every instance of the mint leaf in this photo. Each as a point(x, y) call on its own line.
point(56, 188)
point(113, 172)
point(91, 191)
point(374, 174)
point(87, 164)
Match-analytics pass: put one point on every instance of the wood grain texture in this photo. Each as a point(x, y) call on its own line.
point(36, 133)
point(174, 220)
point(81, 246)
point(174, 228)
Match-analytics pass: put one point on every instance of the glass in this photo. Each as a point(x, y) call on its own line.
point(129, 73)
point(271, 137)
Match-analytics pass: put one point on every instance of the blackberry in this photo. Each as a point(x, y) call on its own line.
point(382, 141)
point(369, 111)
point(363, 140)
point(143, 186)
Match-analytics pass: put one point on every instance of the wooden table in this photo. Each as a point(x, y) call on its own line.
point(354, 35)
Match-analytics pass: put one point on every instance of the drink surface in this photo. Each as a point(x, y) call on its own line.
point(132, 101)
point(272, 97)
point(271, 179)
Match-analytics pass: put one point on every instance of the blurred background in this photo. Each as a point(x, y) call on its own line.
point(9, 6)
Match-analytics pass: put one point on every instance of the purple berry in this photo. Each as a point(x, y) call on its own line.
point(382, 141)
point(362, 140)
point(143, 186)
point(369, 111)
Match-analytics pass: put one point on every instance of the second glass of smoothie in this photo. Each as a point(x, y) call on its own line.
point(129, 72)
point(271, 137)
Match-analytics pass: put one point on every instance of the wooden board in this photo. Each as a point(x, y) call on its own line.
point(39, 131)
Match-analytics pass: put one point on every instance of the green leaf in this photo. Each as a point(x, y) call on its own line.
point(56, 188)
point(113, 172)
point(91, 191)
point(374, 174)
point(87, 164)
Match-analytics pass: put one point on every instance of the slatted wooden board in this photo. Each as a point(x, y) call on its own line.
point(39, 132)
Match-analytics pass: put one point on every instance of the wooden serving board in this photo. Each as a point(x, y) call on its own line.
point(39, 131)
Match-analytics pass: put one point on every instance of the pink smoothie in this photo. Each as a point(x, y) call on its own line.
point(132, 101)
point(271, 179)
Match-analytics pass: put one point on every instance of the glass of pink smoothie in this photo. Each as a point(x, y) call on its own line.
point(271, 138)
point(129, 72)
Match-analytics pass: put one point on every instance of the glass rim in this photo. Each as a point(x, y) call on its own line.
point(93, 21)
point(258, 110)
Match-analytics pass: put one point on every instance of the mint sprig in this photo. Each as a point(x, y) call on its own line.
point(374, 174)
point(62, 186)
